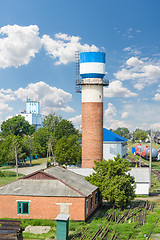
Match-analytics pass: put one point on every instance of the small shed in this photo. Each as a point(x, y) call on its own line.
point(113, 144)
point(141, 176)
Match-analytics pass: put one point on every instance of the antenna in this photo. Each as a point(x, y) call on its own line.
point(78, 81)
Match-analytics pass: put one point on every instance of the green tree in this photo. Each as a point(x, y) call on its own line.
point(114, 183)
point(123, 132)
point(64, 128)
point(7, 149)
point(68, 150)
point(16, 125)
point(140, 135)
point(39, 142)
point(51, 121)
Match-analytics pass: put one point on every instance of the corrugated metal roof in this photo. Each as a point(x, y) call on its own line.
point(74, 180)
point(141, 174)
point(34, 187)
point(109, 136)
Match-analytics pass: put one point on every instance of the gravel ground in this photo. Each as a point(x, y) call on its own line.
point(37, 229)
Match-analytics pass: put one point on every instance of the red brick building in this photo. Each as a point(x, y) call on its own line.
point(45, 194)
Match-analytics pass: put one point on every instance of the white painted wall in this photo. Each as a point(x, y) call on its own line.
point(92, 67)
point(111, 149)
point(32, 107)
point(92, 93)
point(34, 119)
point(142, 188)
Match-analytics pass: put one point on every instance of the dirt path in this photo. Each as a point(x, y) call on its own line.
point(29, 170)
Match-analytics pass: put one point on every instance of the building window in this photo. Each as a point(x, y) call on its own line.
point(86, 206)
point(96, 198)
point(91, 206)
point(23, 207)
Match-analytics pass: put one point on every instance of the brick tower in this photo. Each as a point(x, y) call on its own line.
point(92, 71)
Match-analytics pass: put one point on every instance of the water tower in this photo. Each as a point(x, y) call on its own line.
point(92, 72)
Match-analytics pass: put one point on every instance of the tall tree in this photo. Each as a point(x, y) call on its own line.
point(7, 149)
point(123, 132)
point(51, 121)
point(68, 150)
point(64, 128)
point(140, 135)
point(115, 184)
point(16, 125)
point(39, 142)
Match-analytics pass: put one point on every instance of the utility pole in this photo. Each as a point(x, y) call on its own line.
point(16, 161)
point(150, 161)
point(49, 151)
point(140, 158)
point(30, 150)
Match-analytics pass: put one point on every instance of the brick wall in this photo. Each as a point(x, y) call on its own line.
point(92, 133)
point(43, 207)
point(94, 205)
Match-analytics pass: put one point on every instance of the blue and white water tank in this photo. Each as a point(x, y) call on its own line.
point(92, 65)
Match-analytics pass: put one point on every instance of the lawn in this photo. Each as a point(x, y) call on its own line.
point(8, 176)
point(129, 228)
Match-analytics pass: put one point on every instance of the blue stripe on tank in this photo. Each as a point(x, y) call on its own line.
point(92, 57)
point(92, 75)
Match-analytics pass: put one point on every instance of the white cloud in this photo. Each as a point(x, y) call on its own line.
point(51, 98)
point(116, 89)
point(77, 121)
point(18, 45)
point(143, 72)
point(155, 126)
point(110, 112)
point(62, 48)
point(127, 49)
point(112, 123)
point(157, 95)
point(125, 115)
point(133, 61)
point(132, 51)
point(6, 96)
point(4, 107)
point(138, 86)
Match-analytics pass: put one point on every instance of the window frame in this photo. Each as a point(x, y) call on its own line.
point(96, 198)
point(20, 207)
point(91, 203)
point(87, 207)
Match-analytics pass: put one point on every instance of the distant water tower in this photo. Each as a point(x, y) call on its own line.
point(92, 71)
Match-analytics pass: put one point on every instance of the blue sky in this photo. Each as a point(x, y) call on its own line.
point(38, 40)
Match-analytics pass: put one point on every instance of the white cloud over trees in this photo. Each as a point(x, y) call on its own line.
point(51, 98)
point(77, 121)
point(110, 121)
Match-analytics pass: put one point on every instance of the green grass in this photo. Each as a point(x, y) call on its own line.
point(27, 164)
point(8, 176)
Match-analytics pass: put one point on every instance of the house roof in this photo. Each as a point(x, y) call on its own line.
point(109, 136)
point(141, 175)
point(35, 187)
point(72, 179)
point(63, 183)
